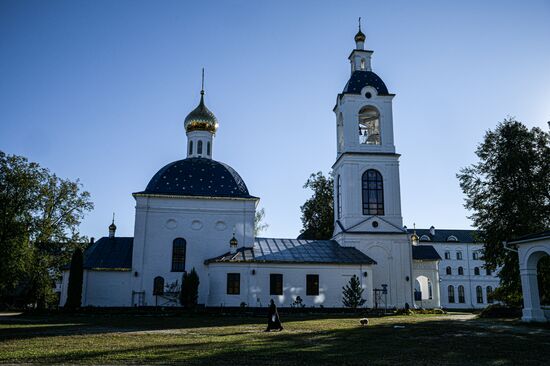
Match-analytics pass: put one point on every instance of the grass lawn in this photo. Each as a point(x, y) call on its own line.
point(234, 340)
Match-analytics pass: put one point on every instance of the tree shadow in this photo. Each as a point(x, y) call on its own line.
point(426, 342)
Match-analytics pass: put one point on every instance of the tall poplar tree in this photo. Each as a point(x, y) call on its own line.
point(508, 193)
point(318, 211)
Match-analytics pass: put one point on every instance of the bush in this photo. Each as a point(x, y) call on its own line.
point(500, 311)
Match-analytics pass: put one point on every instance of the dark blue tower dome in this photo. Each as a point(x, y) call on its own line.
point(197, 177)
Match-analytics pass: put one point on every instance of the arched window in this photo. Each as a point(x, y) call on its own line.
point(479, 294)
point(430, 290)
point(451, 294)
point(459, 255)
point(158, 286)
point(489, 295)
point(199, 147)
point(461, 298)
point(488, 271)
point(447, 254)
point(373, 193)
point(476, 271)
point(461, 271)
point(363, 64)
point(208, 148)
point(452, 238)
point(178, 255)
point(369, 126)
point(338, 196)
point(190, 147)
point(448, 270)
point(340, 133)
point(425, 238)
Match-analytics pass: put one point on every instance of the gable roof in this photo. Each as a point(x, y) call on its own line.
point(110, 254)
point(425, 252)
point(441, 235)
point(270, 250)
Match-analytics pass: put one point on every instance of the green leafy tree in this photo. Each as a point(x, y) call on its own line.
point(318, 211)
point(76, 273)
point(39, 217)
point(259, 224)
point(353, 293)
point(189, 294)
point(508, 193)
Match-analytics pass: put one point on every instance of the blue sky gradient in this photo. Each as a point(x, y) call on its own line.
point(99, 91)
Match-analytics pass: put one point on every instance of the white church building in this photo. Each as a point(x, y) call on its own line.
point(197, 212)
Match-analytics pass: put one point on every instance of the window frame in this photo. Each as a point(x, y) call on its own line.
point(179, 259)
point(449, 271)
point(459, 255)
point(367, 191)
point(276, 286)
point(451, 294)
point(461, 295)
point(461, 271)
point(447, 255)
point(476, 271)
point(479, 294)
point(312, 285)
point(199, 147)
point(233, 283)
point(158, 286)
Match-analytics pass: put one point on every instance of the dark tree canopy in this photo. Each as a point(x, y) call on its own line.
point(39, 218)
point(190, 289)
point(508, 193)
point(76, 273)
point(318, 211)
point(353, 293)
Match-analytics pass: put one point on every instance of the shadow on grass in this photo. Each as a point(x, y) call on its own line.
point(426, 342)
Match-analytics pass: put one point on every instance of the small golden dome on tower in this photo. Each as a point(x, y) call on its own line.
point(201, 119)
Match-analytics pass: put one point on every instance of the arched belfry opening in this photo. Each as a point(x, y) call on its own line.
point(369, 126)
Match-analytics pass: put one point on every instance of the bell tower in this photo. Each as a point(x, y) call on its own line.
point(367, 202)
point(366, 171)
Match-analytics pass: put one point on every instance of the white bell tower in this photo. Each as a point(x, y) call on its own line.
point(367, 202)
point(366, 171)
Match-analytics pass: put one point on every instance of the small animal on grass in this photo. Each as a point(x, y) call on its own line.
point(364, 321)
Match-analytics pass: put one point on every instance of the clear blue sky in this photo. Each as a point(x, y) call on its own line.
point(98, 90)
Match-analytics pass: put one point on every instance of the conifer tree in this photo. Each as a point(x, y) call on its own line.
point(76, 273)
point(189, 294)
point(353, 293)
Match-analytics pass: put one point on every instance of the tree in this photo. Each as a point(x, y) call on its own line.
point(318, 211)
point(508, 193)
point(353, 293)
point(189, 294)
point(74, 292)
point(39, 217)
point(259, 224)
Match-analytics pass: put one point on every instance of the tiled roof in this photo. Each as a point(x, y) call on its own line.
point(110, 254)
point(198, 177)
point(540, 235)
point(443, 235)
point(268, 250)
point(360, 79)
point(424, 252)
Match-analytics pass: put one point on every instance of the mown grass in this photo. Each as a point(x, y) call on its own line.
point(236, 340)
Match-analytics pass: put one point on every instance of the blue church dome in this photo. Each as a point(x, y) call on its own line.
point(360, 79)
point(198, 177)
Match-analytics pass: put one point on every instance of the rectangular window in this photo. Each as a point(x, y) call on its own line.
point(233, 283)
point(275, 284)
point(447, 255)
point(312, 285)
point(488, 272)
point(459, 256)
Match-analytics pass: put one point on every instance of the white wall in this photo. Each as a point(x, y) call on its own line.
point(255, 288)
point(392, 253)
point(469, 280)
point(206, 225)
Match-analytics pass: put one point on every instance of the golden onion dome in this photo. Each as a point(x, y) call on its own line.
point(201, 119)
point(360, 36)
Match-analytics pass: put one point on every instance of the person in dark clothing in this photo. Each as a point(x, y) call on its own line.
point(273, 321)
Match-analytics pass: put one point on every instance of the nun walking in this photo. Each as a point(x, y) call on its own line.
point(273, 321)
